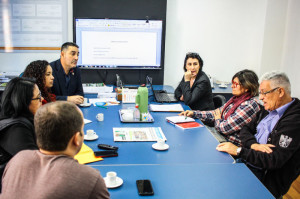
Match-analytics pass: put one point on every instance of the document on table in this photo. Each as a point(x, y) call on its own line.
point(166, 108)
point(109, 101)
point(179, 119)
point(138, 134)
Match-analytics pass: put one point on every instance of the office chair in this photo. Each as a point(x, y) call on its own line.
point(219, 100)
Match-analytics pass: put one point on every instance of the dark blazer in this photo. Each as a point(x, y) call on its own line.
point(59, 86)
point(199, 97)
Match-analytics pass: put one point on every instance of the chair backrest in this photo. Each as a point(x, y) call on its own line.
point(219, 100)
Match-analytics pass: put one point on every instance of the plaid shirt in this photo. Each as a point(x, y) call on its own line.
point(231, 127)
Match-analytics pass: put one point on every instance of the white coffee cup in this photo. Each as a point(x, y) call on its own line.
point(112, 177)
point(85, 100)
point(100, 117)
point(127, 116)
point(160, 142)
point(90, 133)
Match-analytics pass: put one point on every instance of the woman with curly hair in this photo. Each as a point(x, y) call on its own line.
point(42, 72)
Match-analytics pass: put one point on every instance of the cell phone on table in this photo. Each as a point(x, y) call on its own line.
point(144, 187)
point(106, 153)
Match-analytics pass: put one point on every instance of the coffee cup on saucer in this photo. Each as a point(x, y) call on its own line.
point(112, 180)
point(90, 135)
point(85, 100)
point(160, 145)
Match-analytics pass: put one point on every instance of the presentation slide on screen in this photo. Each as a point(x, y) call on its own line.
point(119, 48)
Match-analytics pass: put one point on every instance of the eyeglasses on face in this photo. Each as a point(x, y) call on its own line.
point(235, 84)
point(39, 97)
point(270, 91)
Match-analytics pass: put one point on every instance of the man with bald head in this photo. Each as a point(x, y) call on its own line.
point(271, 142)
point(51, 171)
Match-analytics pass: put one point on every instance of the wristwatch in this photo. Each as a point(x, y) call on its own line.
point(238, 151)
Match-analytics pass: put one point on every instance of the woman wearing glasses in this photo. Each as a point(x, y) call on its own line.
point(42, 72)
point(194, 88)
point(238, 111)
point(20, 101)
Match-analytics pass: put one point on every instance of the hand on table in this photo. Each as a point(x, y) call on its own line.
point(181, 98)
point(187, 113)
point(77, 99)
point(266, 148)
point(227, 147)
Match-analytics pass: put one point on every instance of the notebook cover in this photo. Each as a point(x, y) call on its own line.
point(189, 125)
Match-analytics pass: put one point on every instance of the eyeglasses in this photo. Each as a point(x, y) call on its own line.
point(192, 54)
point(270, 91)
point(39, 97)
point(235, 84)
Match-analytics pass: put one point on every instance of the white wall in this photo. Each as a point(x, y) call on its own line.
point(291, 53)
point(228, 35)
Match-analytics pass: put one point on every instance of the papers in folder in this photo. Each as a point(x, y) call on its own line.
point(166, 108)
point(86, 155)
point(179, 119)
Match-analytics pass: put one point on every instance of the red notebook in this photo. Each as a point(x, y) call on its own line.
point(188, 125)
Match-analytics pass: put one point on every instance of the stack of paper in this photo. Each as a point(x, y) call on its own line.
point(179, 119)
point(166, 108)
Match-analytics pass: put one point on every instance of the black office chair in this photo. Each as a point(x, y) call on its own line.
point(219, 100)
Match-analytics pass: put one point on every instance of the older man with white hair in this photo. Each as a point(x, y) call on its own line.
point(271, 142)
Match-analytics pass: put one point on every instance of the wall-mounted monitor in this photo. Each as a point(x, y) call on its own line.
point(119, 43)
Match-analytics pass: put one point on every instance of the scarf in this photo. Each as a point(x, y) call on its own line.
point(236, 101)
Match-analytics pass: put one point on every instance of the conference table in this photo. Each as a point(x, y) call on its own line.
point(191, 167)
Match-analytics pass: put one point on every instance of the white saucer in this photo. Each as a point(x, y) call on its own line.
point(95, 137)
point(156, 147)
point(117, 184)
point(85, 105)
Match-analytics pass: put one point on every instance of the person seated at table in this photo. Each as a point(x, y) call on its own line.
point(271, 142)
point(20, 101)
point(67, 77)
point(52, 171)
point(194, 88)
point(238, 111)
point(42, 72)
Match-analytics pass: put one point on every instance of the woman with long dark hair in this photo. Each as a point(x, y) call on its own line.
point(20, 101)
point(41, 71)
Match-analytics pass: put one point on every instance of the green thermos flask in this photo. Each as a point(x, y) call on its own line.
point(142, 100)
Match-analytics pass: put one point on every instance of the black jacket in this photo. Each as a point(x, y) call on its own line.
point(199, 97)
point(59, 85)
point(14, 138)
point(282, 166)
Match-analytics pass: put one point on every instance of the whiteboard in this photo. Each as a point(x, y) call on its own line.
point(28, 26)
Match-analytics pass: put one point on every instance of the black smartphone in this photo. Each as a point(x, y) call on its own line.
point(105, 153)
point(144, 187)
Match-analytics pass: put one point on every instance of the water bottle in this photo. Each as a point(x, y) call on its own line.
point(141, 100)
point(136, 113)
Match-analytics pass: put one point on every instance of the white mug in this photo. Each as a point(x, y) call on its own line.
point(85, 100)
point(100, 117)
point(160, 142)
point(90, 133)
point(112, 177)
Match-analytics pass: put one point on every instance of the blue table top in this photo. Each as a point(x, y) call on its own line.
point(190, 146)
point(188, 181)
